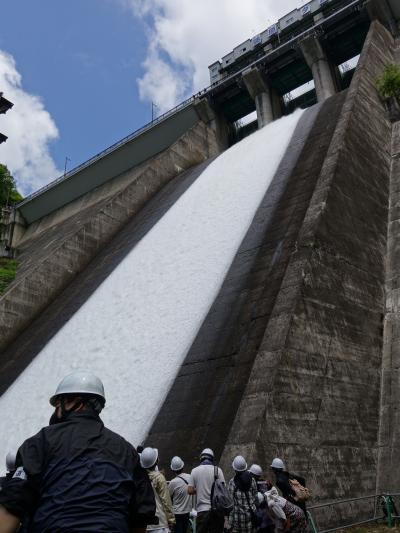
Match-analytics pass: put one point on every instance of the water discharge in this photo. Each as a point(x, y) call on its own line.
point(137, 327)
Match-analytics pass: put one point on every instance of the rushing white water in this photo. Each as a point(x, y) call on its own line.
point(137, 327)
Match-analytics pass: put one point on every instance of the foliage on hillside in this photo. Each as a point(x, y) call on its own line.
point(8, 270)
point(388, 84)
point(8, 190)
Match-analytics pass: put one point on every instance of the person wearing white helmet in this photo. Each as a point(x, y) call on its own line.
point(266, 524)
point(283, 482)
point(76, 475)
point(201, 483)
point(257, 473)
point(181, 500)
point(243, 490)
point(165, 517)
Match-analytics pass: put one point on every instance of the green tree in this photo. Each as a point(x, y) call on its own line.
point(8, 190)
point(388, 84)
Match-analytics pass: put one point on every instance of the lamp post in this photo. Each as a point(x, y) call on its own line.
point(65, 166)
point(153, 107)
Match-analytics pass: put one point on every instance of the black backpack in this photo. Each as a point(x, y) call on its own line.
point(221, 501)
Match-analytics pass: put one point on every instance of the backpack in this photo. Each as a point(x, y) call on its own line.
point(221, 501)
point(302, 494)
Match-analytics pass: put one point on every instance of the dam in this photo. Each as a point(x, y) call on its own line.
point(241, 296)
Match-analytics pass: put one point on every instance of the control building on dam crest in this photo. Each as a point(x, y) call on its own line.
point(298, 355)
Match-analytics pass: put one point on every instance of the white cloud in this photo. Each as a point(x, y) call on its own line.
point(186, 36)
point(29, 128)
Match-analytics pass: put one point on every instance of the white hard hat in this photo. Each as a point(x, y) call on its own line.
point(277, 463)
point(239, 464)
point(10, 461)
point(176, 464)
point(148, 457)
point(256, 470)
point(79, 382)
point(207, 451)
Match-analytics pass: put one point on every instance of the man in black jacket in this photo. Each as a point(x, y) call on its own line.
point(75, 475)
point(283, 483)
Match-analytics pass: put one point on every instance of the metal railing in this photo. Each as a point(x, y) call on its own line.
point(391, 511)
point(110, 149)
point(382, 508)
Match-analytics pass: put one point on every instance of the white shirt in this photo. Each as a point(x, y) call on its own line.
point(202, 479)
point(178, 489)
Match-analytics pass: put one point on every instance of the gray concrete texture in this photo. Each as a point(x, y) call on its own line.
point(313, 393)
point(321, 69)
point(56, 248)
point(260, 91)
point(389, 434)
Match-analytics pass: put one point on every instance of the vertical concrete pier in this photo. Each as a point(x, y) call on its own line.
point(321, 69)
point(215, 120)
point(261, 93)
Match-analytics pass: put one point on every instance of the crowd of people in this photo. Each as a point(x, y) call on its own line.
point(77, 476)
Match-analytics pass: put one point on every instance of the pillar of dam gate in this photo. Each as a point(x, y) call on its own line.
point(215, 119)
point(322, 72)
point(262, 95)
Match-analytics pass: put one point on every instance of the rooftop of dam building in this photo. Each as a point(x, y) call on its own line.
point(263, 81)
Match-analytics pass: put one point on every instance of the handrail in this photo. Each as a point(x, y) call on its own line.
point(111, 148)
point(388, 514)
point(348, 500)
point(181, 105)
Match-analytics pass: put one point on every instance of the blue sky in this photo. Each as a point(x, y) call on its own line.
point(82, 57)
point(83, 73)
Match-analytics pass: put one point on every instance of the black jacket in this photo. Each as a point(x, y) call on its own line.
point(78, 476)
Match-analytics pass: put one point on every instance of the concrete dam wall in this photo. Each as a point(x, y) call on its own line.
point(55, 248)
point(297, 356)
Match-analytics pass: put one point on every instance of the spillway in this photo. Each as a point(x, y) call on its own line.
point(135, 330)
point(227, 310)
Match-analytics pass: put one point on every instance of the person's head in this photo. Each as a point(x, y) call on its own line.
point(239, 464)
point(277, 465)
point(149, 458)
point(10, 461)
point(79, 391)
point(177, 465)
point(207, 455)
point(256, 471)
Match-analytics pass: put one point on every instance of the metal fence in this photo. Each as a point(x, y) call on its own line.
point(365, 510)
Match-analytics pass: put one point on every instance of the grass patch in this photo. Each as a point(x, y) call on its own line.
point(388, 84)
point(8, 270)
